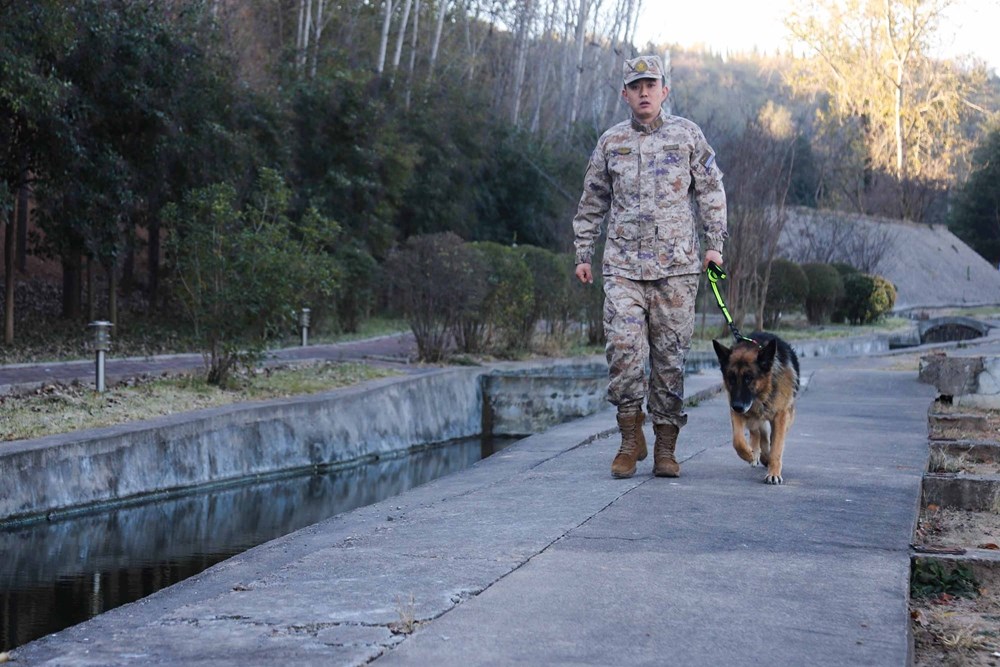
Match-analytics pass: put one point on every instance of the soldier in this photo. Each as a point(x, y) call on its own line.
point(651, 177)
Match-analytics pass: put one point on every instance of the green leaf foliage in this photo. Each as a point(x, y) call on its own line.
point(976, 215)
point(826, 289)
point(507, 303)
point(434, 280)
point(930, 577)
point(867, 298)
point(787, 290)
point(241, 270)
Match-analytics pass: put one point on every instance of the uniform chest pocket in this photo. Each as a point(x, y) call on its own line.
point(671, 154)
point(623, 167)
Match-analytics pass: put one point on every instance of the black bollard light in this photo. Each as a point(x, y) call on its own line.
point(102, 343)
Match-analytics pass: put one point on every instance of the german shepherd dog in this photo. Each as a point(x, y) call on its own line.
point(762, 379)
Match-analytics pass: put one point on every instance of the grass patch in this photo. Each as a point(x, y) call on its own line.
point(61, 408)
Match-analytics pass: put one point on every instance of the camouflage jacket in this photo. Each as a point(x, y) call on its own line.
point(651, 182)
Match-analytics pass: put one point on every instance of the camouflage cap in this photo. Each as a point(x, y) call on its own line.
point(643, 67)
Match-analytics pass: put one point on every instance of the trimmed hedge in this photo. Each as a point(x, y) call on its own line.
point(826, 289)
point(867, 298)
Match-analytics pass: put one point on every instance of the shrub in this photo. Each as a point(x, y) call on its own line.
point(826, 289)
point(588, 300)
point(844, 269)
point(550, 281)
point(355, 293)
point(508, 301)
point(433, 281)
point(786, 291)
point(867, 298)
point(238, 271)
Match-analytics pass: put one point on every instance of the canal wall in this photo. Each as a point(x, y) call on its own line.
point(77, 471)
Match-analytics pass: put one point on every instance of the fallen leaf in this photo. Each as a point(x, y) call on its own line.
point(989, 545)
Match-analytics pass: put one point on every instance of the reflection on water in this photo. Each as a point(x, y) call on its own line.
point(57, 574)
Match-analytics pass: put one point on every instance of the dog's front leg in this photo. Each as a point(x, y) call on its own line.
point(779, 429)
point(740, 439)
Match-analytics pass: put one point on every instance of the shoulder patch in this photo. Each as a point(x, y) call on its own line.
point(622, 150)
point(707, 159)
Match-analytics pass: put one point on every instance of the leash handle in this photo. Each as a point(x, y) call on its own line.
point(715, 274)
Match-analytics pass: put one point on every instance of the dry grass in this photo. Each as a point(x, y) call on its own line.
point(59, 408)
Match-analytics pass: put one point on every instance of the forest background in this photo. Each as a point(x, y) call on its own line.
point(212, 162)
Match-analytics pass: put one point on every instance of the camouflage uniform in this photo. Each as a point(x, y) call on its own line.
point(651, 182)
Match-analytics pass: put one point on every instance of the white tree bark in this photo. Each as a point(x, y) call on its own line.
point(442, 6)
point(384, 40)
point(413, 53)
point(580, 40)
point(401, 36)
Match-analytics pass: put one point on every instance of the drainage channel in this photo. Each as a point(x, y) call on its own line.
point(62, 572)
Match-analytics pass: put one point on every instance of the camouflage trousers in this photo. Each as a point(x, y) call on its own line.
point(649, 320)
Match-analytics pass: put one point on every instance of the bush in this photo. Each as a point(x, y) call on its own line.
point(786, 291)
point(434, 280)
point(507, 303)
point(867, 298)
point(355, 294)
point(589, 300)
point(826, 289)
point(238, 271)
point(844, 269)
point(550, 281)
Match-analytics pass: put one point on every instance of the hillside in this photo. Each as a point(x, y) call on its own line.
point(930, 267)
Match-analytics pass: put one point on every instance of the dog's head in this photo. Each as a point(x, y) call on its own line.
point(746, 371)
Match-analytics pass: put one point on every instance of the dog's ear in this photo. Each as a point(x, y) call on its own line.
point(722, 352)
point(765, 358)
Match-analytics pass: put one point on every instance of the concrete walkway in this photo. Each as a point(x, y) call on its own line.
point(538, 556)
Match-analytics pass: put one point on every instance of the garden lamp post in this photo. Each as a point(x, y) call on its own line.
point(304, 324)
point(102, 343)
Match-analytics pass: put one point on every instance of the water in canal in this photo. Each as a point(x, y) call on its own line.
point(58, 573)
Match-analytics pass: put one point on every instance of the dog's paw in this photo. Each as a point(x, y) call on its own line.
point(754, 459)
point(765, 459)
point(773, 479)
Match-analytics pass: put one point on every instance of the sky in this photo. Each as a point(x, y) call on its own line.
point(739, 25)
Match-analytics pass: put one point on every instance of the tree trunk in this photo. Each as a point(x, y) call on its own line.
point(153, 259)
point(112, 294)
point(413, 54)
point(23, 203)
point(401, 37)
point(8, 257)
point(72, 269)
point(580, 41)
point(437, 37)
point(383, 45)
point(317, 33)
point(522, 42)
point(91, 291)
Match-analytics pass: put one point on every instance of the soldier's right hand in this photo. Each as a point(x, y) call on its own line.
point(584, 274)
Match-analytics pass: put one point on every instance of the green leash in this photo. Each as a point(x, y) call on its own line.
point(715, 274)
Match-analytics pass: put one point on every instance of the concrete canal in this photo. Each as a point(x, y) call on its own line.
point(58, 573)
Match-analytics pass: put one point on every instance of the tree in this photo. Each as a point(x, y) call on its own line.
point(240, 270)
point(32, 38)
point(976, 216)
point(758, 165)
point(900, 112)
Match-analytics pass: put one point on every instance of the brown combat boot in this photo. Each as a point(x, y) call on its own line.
point(633, 444)
point(664, 463)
